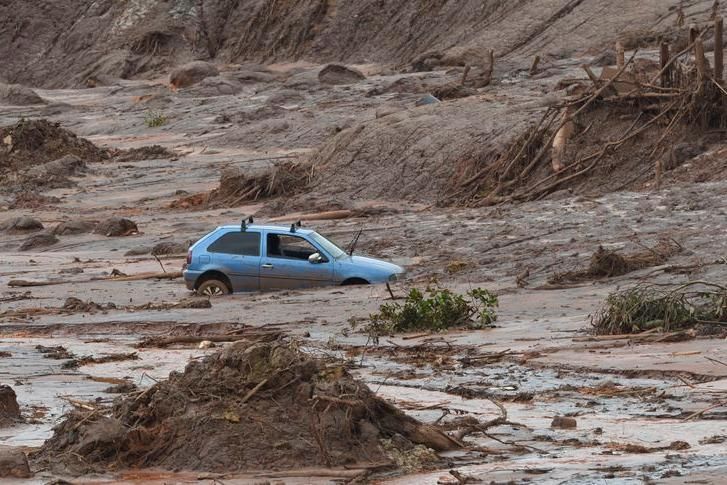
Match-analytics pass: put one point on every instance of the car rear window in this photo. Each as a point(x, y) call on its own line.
point(242, 243)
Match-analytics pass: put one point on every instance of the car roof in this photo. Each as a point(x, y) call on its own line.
point(257, 227)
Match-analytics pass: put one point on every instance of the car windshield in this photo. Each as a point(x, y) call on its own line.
point(328, 246)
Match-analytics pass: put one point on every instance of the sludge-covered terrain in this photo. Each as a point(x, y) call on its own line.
point(566, 156)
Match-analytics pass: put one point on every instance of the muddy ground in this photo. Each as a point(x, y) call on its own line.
point(637, 401)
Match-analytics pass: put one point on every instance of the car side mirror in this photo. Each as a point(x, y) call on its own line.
point(315, 258)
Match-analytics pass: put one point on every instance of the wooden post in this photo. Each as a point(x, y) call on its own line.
point(664, 57)
point(718, 51)
point(693, 33)
point(657, 174)
point(465, 73)
point(534, 66)
point(620, 55)
point(699, 58)
point(487, 75)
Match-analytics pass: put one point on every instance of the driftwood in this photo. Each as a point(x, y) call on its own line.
point(136, 277)
point(162, 342)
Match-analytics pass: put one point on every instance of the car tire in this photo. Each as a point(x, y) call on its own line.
point(213, 288)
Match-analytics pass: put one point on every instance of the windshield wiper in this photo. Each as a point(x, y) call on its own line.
point(352, 246)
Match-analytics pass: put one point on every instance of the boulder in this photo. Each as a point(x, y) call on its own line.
point(9, 409)
point(38, 241)
point(21, 224)
point(563, 422)
point(339, 74)
point(13, 463)
point(216, 86)
point(17, 95)
point(192, 73)
point(116, 227)
point(164, 248)
point(76, 226)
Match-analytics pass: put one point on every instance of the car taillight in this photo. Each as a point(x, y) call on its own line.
point(189, 257)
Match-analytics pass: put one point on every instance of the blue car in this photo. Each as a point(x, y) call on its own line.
point(256, 257)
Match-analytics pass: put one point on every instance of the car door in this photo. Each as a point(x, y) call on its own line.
point(237, 254)
point(285, 263)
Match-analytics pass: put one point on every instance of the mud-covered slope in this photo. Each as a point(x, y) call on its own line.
point(55, 43)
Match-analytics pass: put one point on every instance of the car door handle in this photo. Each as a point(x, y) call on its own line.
point(267, 266)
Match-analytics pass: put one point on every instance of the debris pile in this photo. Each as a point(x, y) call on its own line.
point(28, 143)
point(618, 132)
point(225, 413)
point(668, 308)
point(282, 179)
point(606, 263)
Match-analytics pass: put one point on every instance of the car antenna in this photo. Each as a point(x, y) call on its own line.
point(352, 246)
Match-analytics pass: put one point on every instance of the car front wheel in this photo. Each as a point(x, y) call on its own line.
point(213, 288)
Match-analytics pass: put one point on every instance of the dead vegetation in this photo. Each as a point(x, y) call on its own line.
point(667, 308)
point(619, 134)
point(236, 187)
point(240, 397)
point(606, 263)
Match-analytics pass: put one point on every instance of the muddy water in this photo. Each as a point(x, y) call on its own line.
point(548, 368)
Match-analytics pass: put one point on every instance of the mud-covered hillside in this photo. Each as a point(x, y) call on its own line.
point(64, 43)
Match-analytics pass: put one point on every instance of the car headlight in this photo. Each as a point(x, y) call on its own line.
point(394, 277)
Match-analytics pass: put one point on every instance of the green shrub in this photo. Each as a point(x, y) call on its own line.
point(154, 119)
point(435, 309)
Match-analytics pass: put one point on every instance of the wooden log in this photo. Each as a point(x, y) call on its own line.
point(718, 50)
point(663, 60)
point(590, 74)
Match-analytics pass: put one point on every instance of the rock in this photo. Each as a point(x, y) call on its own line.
point(428, 99)
point(682, 152)
point(138, 251)
point(116, 227)
point(206, 344)
point(38, 241)
point(192, 73)
point(13, 463)
point(563, 422)
point(216, 86)
point(21, 224)
point(387, 110)
point(17, 95)
point(339, 74)
point(76, 226)
point(9, 409)
point(169, 247)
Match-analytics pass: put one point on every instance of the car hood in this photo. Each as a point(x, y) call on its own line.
point(363, 261)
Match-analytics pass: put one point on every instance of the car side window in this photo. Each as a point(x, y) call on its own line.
point(240, 243)
point(289, 247)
